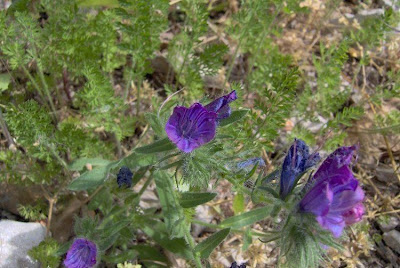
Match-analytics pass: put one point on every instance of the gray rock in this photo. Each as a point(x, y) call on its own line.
point(16, 239)
point(388, 225)
point(385, 174)
point(392, 239)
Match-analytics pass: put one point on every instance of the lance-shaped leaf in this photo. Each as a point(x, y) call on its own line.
point(89, 179)
point(207, 246)
point(159, 146)
point(189, 200)
point(235, 116)
point(80, 163)
point(247, 218)
point(173, 212)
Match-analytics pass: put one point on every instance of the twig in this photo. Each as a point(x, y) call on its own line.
point(4, 128)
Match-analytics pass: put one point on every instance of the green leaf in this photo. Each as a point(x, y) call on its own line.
point(80, 163)
point(162, 145)
point(89, 179)
point(174, 217)
point(238, 204)
point(135, 160)
point(189, 200)
point(207, 246)
point(155, 124)
point(235, 116)
point(92, 3)
point(157, 231)
point(4, 81)
point(246, 218)
point(150, 254)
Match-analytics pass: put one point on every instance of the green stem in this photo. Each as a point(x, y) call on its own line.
point(36, 86)
point(232, 63)
point(139, 85)
point(216, 226)
point(238, 185)
point(187, 52)
point(46, 88)
point(192, 245)
point(146, 184)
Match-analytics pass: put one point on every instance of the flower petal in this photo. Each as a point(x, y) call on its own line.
point(81, 254)
point(190, 128)
point(317, 200)
point(221, 105)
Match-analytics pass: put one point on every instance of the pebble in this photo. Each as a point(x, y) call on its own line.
point(392, 239)
point(16, 239)
point(388, 225)
point(385, 174)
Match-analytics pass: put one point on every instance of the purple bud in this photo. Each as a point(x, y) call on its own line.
point(336, 197)
point(190, 128)
point(124, 177)
point(235, 265)
point(221, 105)
point(297, 161)
point(81, 254)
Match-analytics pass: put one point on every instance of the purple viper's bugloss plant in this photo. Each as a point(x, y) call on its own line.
point(190, 128)
point(81, 254)
point(336, 196)
point(297, 161)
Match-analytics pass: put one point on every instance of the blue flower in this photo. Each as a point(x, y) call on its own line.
point(124, 177)
point(81, 254)
point(297, 161)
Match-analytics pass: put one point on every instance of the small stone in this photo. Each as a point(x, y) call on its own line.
point(385, 174)
point(16, 239)
point(392, 239)
point(388, 225)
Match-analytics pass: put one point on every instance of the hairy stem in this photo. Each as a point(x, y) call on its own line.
point(192, 245)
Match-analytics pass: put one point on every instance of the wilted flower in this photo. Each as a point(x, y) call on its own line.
point(250, 162)
point(81, 254)
point(297, 161)
point(335, 199)
point(124, 177)
point(221, 105)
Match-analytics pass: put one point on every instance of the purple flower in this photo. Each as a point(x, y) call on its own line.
point(297, 161)
point(221, 105)
point(124, 177)
point(81, 254)
point(335, 199)
point(190, 128)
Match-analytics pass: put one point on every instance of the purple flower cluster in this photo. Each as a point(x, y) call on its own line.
point(298, 159)
point(81, 254)
point(336, 197)
point(190, 128)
